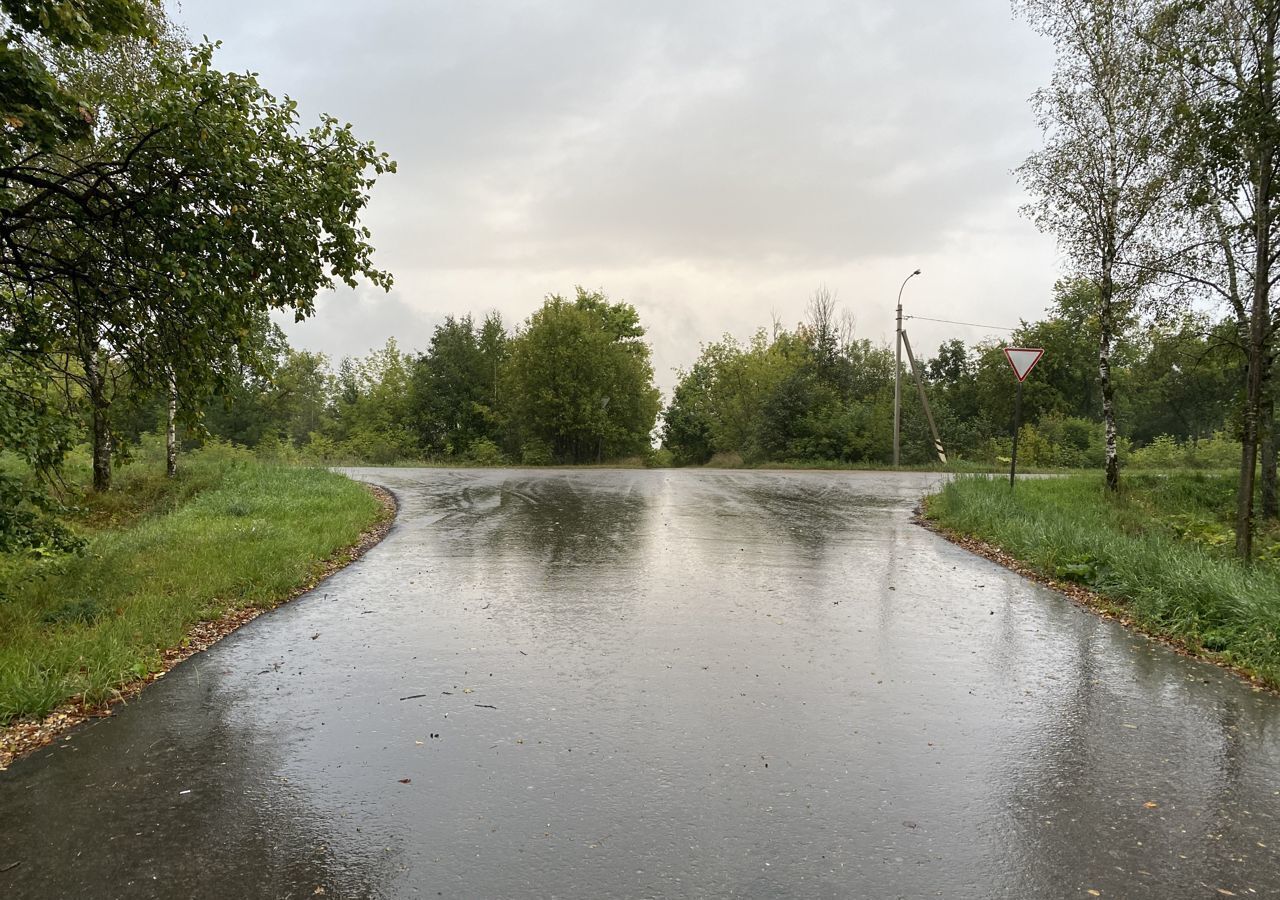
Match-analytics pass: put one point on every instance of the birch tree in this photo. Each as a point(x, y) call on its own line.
point(1100, 181)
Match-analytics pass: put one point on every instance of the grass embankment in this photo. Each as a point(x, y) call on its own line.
point(1160, 551)
point(162, 555)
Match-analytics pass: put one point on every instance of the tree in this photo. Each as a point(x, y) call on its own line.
point(372, 407)
point(156, 248)
point(686, 422)
point(1184, 380)
point(454, 385)
point(579, 380)
point(1100, 182)
point(1230, 134)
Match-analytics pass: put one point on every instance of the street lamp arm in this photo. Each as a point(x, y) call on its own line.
point(904, 284)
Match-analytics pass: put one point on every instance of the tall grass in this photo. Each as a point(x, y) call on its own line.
point(1157, 549)
point(161, 556)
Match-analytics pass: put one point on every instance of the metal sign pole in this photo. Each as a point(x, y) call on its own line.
point(1022, 360)
point(1017, 426)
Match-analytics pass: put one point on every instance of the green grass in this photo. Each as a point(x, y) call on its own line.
point(1161, 550)
point(161, 556)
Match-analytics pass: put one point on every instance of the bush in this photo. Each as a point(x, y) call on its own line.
point(484, 452)
point(726, 460)
point(1166, 452)
point(661, 458)
point(320, 449)
point(536, 452)
point(378, 446)
point(276, 450)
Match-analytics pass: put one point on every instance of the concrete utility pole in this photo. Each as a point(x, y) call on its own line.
point(897, 381)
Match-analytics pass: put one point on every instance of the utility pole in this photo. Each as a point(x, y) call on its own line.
point(897, 381)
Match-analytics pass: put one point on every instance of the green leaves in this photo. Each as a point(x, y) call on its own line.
point(200, 208)
point(36, 109)
point(579, 381)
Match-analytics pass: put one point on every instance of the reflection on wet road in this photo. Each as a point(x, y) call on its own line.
point(663, 683)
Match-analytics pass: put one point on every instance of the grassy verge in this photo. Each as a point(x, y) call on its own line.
point(1160, 551)
point(161, 556)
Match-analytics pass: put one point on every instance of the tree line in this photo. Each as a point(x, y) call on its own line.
point(817, 393)
point(573, 383)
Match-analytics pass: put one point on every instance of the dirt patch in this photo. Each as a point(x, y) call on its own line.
point(21, 738)
point(1094, 602)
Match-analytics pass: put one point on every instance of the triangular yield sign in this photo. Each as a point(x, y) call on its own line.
point(1023, 359)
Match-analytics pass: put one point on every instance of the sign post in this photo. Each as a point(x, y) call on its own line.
point(1022, 360)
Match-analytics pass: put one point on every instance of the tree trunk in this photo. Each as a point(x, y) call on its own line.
point(1257, 339)
point(1248, 463)
point(1105, 335)
point(171, 437)
point(100, 411)
point(1267, 446)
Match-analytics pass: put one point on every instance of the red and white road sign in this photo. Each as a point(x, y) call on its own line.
point(1023, 359)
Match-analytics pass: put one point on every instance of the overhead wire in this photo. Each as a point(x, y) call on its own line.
point(953, 322)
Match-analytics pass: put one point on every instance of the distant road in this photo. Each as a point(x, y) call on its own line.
point(628, 683)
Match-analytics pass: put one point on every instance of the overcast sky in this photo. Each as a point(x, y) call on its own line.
point(711, 162)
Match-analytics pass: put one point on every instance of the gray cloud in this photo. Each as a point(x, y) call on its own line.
point(711, 161)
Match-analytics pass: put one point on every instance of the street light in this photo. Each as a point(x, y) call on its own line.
point(897, 381)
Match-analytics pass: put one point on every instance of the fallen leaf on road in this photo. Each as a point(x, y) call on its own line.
point(405, 780)
point(1151, 804)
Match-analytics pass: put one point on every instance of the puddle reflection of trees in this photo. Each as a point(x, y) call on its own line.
point(564, 554)
point(197, 811)
point(564, 524)
point(809, 514)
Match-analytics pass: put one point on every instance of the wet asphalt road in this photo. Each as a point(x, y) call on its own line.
point(663, 684)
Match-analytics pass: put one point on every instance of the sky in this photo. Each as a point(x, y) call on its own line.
point(712, 163)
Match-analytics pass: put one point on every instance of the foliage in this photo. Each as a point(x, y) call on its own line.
point(454, 386)
point(36, 107)
point(157, 250)
point(579, 379)
point(371, 407)
point(1167, 452)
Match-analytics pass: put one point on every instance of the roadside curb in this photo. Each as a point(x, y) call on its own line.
point(20, 739)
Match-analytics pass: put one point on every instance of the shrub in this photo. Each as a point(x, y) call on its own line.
point(484, 452)
point(1167, 452)
point(726, 460)
point(536, 452)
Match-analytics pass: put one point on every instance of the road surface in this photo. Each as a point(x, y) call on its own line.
point(603, 683)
